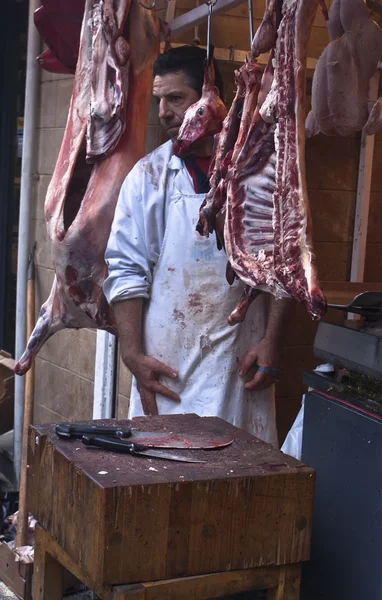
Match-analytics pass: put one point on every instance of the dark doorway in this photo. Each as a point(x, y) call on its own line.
point(13, 47)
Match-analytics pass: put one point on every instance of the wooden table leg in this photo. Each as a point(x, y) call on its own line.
point(47, 572)
point(289, 584)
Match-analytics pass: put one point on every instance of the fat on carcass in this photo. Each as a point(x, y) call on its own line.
point(267, 229)
point(110, 103)
point(202, 119)
point(341, 79)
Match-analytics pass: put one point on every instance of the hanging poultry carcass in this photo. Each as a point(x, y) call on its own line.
point(267, 232)
point(103, 139)
point(341, 79)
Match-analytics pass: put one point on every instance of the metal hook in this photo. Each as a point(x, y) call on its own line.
point(210, 4)
point(147, 7)
point(250, 16)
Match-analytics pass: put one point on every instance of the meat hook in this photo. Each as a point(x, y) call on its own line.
point(147, 7)
point(210, 5)
point(250, 16)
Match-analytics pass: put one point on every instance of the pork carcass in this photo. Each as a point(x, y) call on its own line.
point(202, 119)
point(110, 101)
point(342, 76)
point(267, 234)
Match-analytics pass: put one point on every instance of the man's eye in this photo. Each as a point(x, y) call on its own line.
point(175, 98)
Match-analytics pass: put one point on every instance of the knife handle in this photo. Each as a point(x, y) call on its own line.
point(68, 430)
point(113, 444)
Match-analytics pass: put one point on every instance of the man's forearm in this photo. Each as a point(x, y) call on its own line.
point(280, 313)
point(128, 316)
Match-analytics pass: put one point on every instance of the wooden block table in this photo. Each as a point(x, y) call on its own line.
point(147, 529)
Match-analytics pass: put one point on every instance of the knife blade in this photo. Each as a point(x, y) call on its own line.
point(151, 439)
point(128, 447)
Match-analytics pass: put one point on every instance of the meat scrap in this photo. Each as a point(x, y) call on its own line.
point(202, 119)
point(267, 234)
point(107, 122)
point(342, 76)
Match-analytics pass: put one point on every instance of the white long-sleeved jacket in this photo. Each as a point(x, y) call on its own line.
point(139, 223)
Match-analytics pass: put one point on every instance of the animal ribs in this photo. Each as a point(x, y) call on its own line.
point(267, 233)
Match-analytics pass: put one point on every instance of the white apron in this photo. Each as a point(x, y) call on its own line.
point(185, 327)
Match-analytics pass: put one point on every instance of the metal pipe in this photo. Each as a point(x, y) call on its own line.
point(26, 196)
point(198, 15)
point(250, 17)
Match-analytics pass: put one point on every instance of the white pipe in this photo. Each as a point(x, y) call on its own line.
point(104, 389)
point(26, 197)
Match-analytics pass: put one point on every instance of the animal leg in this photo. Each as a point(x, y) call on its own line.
point(48, 323)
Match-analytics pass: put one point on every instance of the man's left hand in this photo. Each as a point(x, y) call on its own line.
point(267, 353)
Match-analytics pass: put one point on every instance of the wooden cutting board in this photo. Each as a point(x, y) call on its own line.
point(127, 519)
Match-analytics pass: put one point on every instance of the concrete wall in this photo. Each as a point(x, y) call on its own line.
point(65, 366)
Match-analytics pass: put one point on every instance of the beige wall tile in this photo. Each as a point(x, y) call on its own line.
point(122, 406)
point(64, 93)
point(49, 142)
point(124, 380)
point(41, 189)
point(43, 254)
point(57, 349)
point(81, 354)
point(43, 414)
point(333, 261)
point(332, 163)
point(63, 392)
point(332, 215)
point(48, 99)
point(43, 284)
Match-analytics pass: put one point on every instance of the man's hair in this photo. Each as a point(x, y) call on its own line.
point(190, 60)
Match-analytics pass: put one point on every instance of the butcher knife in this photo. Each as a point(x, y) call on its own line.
point(127, 447)
point(150, 439)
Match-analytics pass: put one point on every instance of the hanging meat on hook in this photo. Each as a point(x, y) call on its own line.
point(202, 119)
point(341, 79)
point(267, 234)
point(110, 102)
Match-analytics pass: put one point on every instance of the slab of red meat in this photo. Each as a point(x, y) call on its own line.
point(81, 198)
point(267, 233)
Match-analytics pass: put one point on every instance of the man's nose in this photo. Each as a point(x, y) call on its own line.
point(164, 109)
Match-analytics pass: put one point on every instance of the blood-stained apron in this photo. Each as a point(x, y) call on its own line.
point(185, 326)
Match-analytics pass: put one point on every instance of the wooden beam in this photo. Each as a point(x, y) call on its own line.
point(239, 56)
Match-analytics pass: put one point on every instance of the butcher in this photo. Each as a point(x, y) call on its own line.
point(168, 286)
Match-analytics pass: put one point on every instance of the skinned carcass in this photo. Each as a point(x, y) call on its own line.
point(267, 233)
point(110, 102)
point(342, 76)
point(203, 118)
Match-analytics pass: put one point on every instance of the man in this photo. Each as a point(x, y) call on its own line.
point(168, 288)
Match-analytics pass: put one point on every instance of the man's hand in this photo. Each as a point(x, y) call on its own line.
point(147, 371)
point(266, 353)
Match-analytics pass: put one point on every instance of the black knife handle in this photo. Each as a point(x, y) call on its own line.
point(113, 444)
point(68, 430)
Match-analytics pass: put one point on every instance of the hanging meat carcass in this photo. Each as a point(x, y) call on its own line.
point(110, 103)
point(267, 234)
point(341, 79)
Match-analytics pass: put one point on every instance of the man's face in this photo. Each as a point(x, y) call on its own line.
point(174, 97)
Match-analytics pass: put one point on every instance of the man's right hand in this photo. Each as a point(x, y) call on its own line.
point(147, 371)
